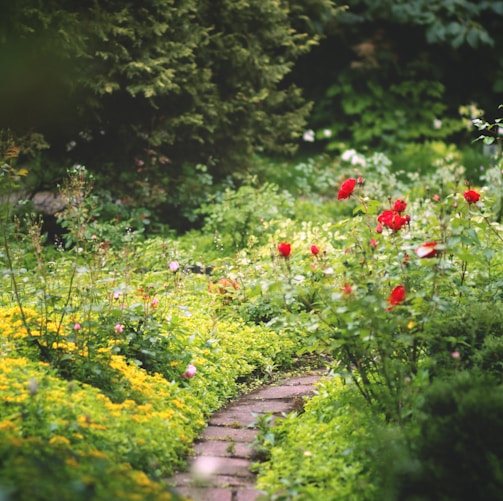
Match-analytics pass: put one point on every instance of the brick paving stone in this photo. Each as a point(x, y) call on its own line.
point(224, 453)
point(247, 495)
point(234, 419)
point(186, 480)
point(282, 392)
point(224, 448)
point(226, 433)
point(231, 481)
point(263, 406)
point(206, 494)
point(225, 466)
point(302, 380)
point(243, 414)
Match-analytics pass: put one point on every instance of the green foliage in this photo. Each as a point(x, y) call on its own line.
point(473, 332)
point(144, 93)
point(388, 116)
point(242, 217)
point(391, 71)
point(456, 452)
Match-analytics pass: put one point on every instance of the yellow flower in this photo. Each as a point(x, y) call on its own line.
point(7, 425)
point(59, 440)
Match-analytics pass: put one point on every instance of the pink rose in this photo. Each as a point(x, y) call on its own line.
point(190, 371)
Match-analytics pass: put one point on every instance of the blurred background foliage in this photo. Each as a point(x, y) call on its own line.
point(390, 72)
point(169, 103)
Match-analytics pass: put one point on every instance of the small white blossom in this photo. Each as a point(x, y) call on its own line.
point(308, 136)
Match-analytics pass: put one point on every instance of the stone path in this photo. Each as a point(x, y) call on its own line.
point(220, 468)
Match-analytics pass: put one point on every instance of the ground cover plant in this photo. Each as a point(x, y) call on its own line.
point(116, 347)
point(114, 353)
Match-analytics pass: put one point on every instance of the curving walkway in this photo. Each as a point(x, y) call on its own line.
point(220, 468)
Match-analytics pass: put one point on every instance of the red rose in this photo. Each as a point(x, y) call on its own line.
point(399, 205)
point(284, 249)
point(315, 250)
point(397, 296)
point(393, 220)
point(427, 250)
point(379, 228)
point(471, 196)
point(346, 189)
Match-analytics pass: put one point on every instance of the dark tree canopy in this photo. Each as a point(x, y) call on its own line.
point(157, 84)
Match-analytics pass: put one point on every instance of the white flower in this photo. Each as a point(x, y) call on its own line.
point(348, 155)
point(308, 136)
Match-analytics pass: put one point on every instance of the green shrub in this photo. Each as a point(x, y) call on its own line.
point(457, 450)
point(379, 92)
point(244, 217)
point(470, 336)
point(142, 94)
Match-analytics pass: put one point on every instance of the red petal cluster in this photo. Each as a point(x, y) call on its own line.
point(315, 250)
point(399, 206)
point(471, 196)
point(397, 296)
point(285, 249)
point(393, 220)
point(347, 188)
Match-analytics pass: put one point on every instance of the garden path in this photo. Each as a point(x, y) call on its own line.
point(220, 467)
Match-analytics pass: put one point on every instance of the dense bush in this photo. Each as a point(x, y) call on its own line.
point(457, 450)
point(144, 93)
point(390, 71)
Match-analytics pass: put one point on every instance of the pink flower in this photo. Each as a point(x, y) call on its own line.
point(399, 206)
point(116, 295)
point(427, 250)
point(379, 228)
point(471, 196)
point(360, 180)
point(373, 242)
point(436, 197)
point(174, 265)
point(154, 302)
point(77, 326)
point(397, 296)
point(315, 250)
point(285, 249)
point(190, 371)
point(347, 188)
point(456, 355)
point(119, 329)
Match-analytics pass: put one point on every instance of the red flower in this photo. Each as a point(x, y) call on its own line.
point(399, 205)
point(373, 242)
point(393, 220)
point(471, 196)
point(284, 249)
point(315, 250)
point(379, 228)
point(346, 189)
point(427, 250)
point(397, 296)
point(347, 289)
